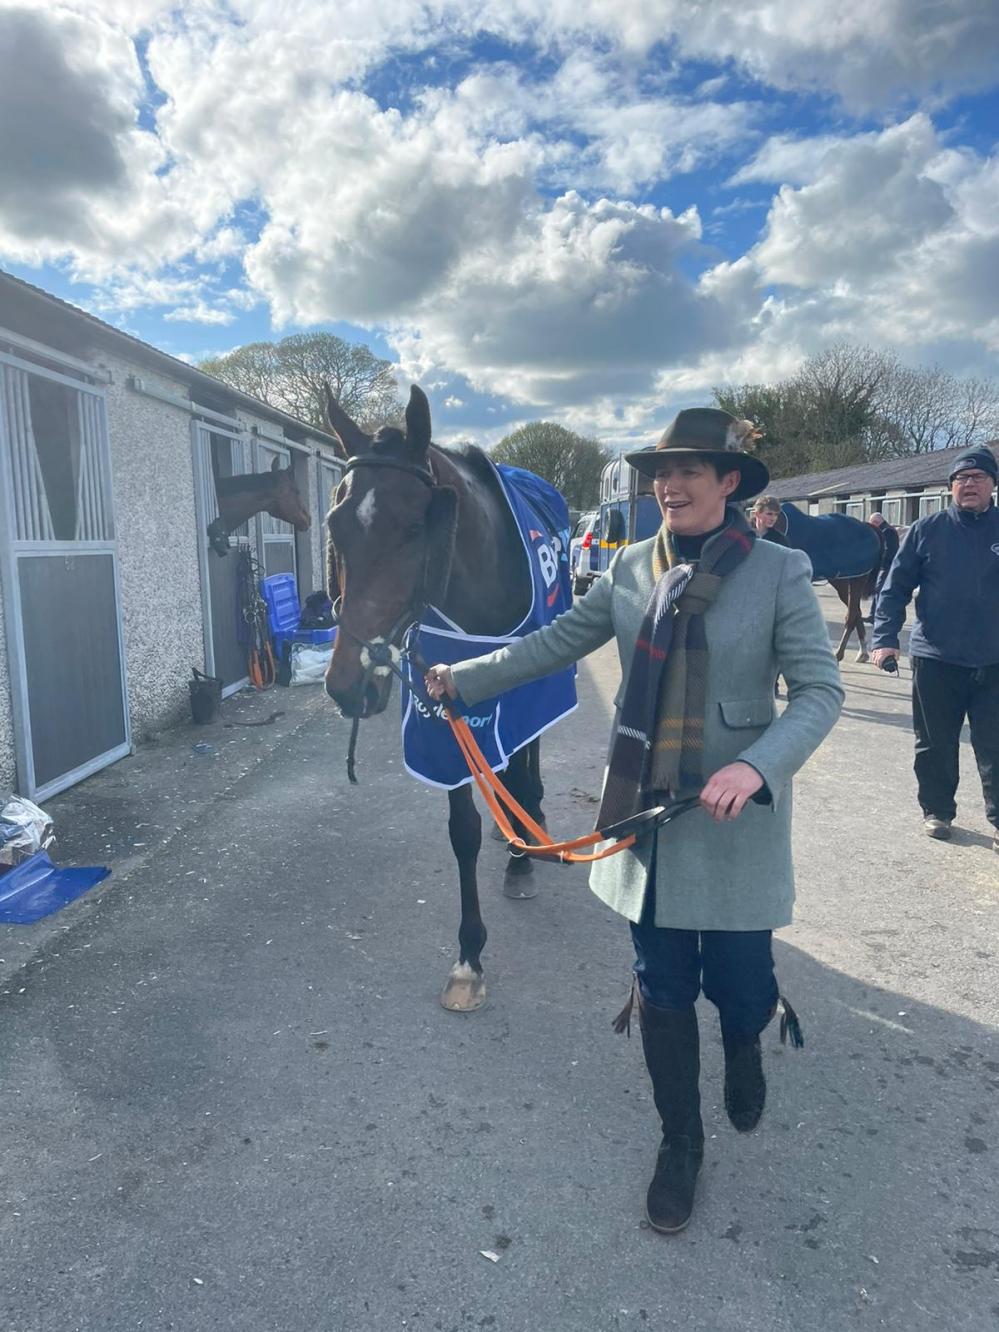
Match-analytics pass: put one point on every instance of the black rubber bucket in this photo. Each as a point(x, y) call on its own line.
point(206, 697)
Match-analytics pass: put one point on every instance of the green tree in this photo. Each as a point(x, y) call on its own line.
point(571, 462)
point(290, 375)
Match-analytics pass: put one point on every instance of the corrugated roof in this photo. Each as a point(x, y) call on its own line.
point(915, 471)
point(181, 370)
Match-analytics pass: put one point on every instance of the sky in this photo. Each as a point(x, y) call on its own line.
point(588, 211)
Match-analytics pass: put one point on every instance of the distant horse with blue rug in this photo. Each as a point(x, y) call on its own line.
point(437, 555)
point(843, 551)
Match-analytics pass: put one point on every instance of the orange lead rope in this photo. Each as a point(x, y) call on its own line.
point(621, 835)
point(496, 796)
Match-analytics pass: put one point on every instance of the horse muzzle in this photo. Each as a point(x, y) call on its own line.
point(366, 696)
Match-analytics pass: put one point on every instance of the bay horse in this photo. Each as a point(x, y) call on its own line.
point(240, 497)
point(846, 553)
point(410, 525)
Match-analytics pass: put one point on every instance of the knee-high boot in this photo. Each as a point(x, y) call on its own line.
point(672, 1054)
point(745, 1084)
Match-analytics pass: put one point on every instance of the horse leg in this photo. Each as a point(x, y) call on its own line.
point(842, 589)
point(857, 611)
point(537, 790)
point(465, 989)
point(523, 781)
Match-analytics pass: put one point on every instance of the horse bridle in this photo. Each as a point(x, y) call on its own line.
point(379, 649)
point(382, 656)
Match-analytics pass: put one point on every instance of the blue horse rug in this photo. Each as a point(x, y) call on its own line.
point(500, 725)
point(837, 545)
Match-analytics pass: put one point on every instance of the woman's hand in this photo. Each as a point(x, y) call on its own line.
point(728, 789)
point(439, 682)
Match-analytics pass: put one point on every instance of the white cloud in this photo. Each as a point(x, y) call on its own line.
point(498, 227)
point(199, 313)
point(787, 159)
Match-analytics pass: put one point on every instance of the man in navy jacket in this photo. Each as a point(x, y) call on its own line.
point(889, 549)
point(953, 558)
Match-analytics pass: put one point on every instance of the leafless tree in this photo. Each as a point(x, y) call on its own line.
point(857, 404)
point(290, 374)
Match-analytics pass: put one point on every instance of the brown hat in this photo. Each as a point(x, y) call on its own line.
point(715, 436)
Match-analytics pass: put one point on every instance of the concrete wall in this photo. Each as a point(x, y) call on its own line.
point(153, 478)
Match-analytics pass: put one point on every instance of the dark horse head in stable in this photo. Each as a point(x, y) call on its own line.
point(391, 534)
point(240, 497)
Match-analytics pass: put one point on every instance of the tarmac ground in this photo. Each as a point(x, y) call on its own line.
point(231, 1100)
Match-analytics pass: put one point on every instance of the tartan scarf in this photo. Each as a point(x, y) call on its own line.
point(658, 745)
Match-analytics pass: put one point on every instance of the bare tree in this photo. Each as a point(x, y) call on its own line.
point(856, 404)
point(290, 375)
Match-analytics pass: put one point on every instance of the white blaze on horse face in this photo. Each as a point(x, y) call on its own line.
point(366, 510)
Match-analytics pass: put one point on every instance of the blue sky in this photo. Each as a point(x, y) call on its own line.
point(590, 211)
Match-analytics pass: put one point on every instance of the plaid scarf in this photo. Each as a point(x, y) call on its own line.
point(658, 746)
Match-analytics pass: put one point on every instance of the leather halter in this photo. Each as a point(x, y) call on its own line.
point(378, 649)
point(395, 464)
point(381, 656)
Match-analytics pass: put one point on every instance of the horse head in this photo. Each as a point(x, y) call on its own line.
point(386, 515)
point(284, 499)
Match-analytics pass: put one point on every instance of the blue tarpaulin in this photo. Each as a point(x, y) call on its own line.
point(36, 888)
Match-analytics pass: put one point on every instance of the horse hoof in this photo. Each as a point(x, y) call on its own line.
point(465, 990)
point(518, 881)
point(519, 890)
point(861, 657)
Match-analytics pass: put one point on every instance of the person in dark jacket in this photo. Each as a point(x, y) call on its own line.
point(766, 511)
point(953, 558)
point(889, 549)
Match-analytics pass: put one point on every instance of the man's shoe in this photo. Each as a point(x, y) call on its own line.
point(937, 828)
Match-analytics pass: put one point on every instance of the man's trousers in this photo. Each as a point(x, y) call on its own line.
point(943, 696)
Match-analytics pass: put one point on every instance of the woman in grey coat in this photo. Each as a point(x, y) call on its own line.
point(705, 616)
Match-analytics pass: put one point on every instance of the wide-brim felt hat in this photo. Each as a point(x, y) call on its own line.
point(711, 435)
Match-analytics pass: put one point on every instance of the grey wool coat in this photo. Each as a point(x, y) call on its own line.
point(709, 876)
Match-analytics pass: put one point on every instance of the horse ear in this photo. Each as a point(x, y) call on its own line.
point(351, 437)
point(418, 420)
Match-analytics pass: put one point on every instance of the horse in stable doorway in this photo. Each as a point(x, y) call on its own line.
point(414, 527)
point(243, 495)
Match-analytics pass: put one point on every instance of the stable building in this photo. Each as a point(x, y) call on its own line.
point(109, 589)
point(902, 489)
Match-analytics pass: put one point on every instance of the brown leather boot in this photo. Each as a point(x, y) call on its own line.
point(671, 1043)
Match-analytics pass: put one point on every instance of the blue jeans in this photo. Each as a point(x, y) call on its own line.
point(735, 969)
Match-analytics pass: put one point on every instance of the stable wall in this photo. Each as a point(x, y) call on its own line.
point(150, 445)
point(153, 483)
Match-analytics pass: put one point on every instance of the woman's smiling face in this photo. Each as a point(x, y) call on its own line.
point(691, 494)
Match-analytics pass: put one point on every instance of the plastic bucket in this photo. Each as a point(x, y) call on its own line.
point(206, 697)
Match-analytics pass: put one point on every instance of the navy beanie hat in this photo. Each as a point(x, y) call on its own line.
point(981, 458)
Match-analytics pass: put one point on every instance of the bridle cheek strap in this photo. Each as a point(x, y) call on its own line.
point(442, 527)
